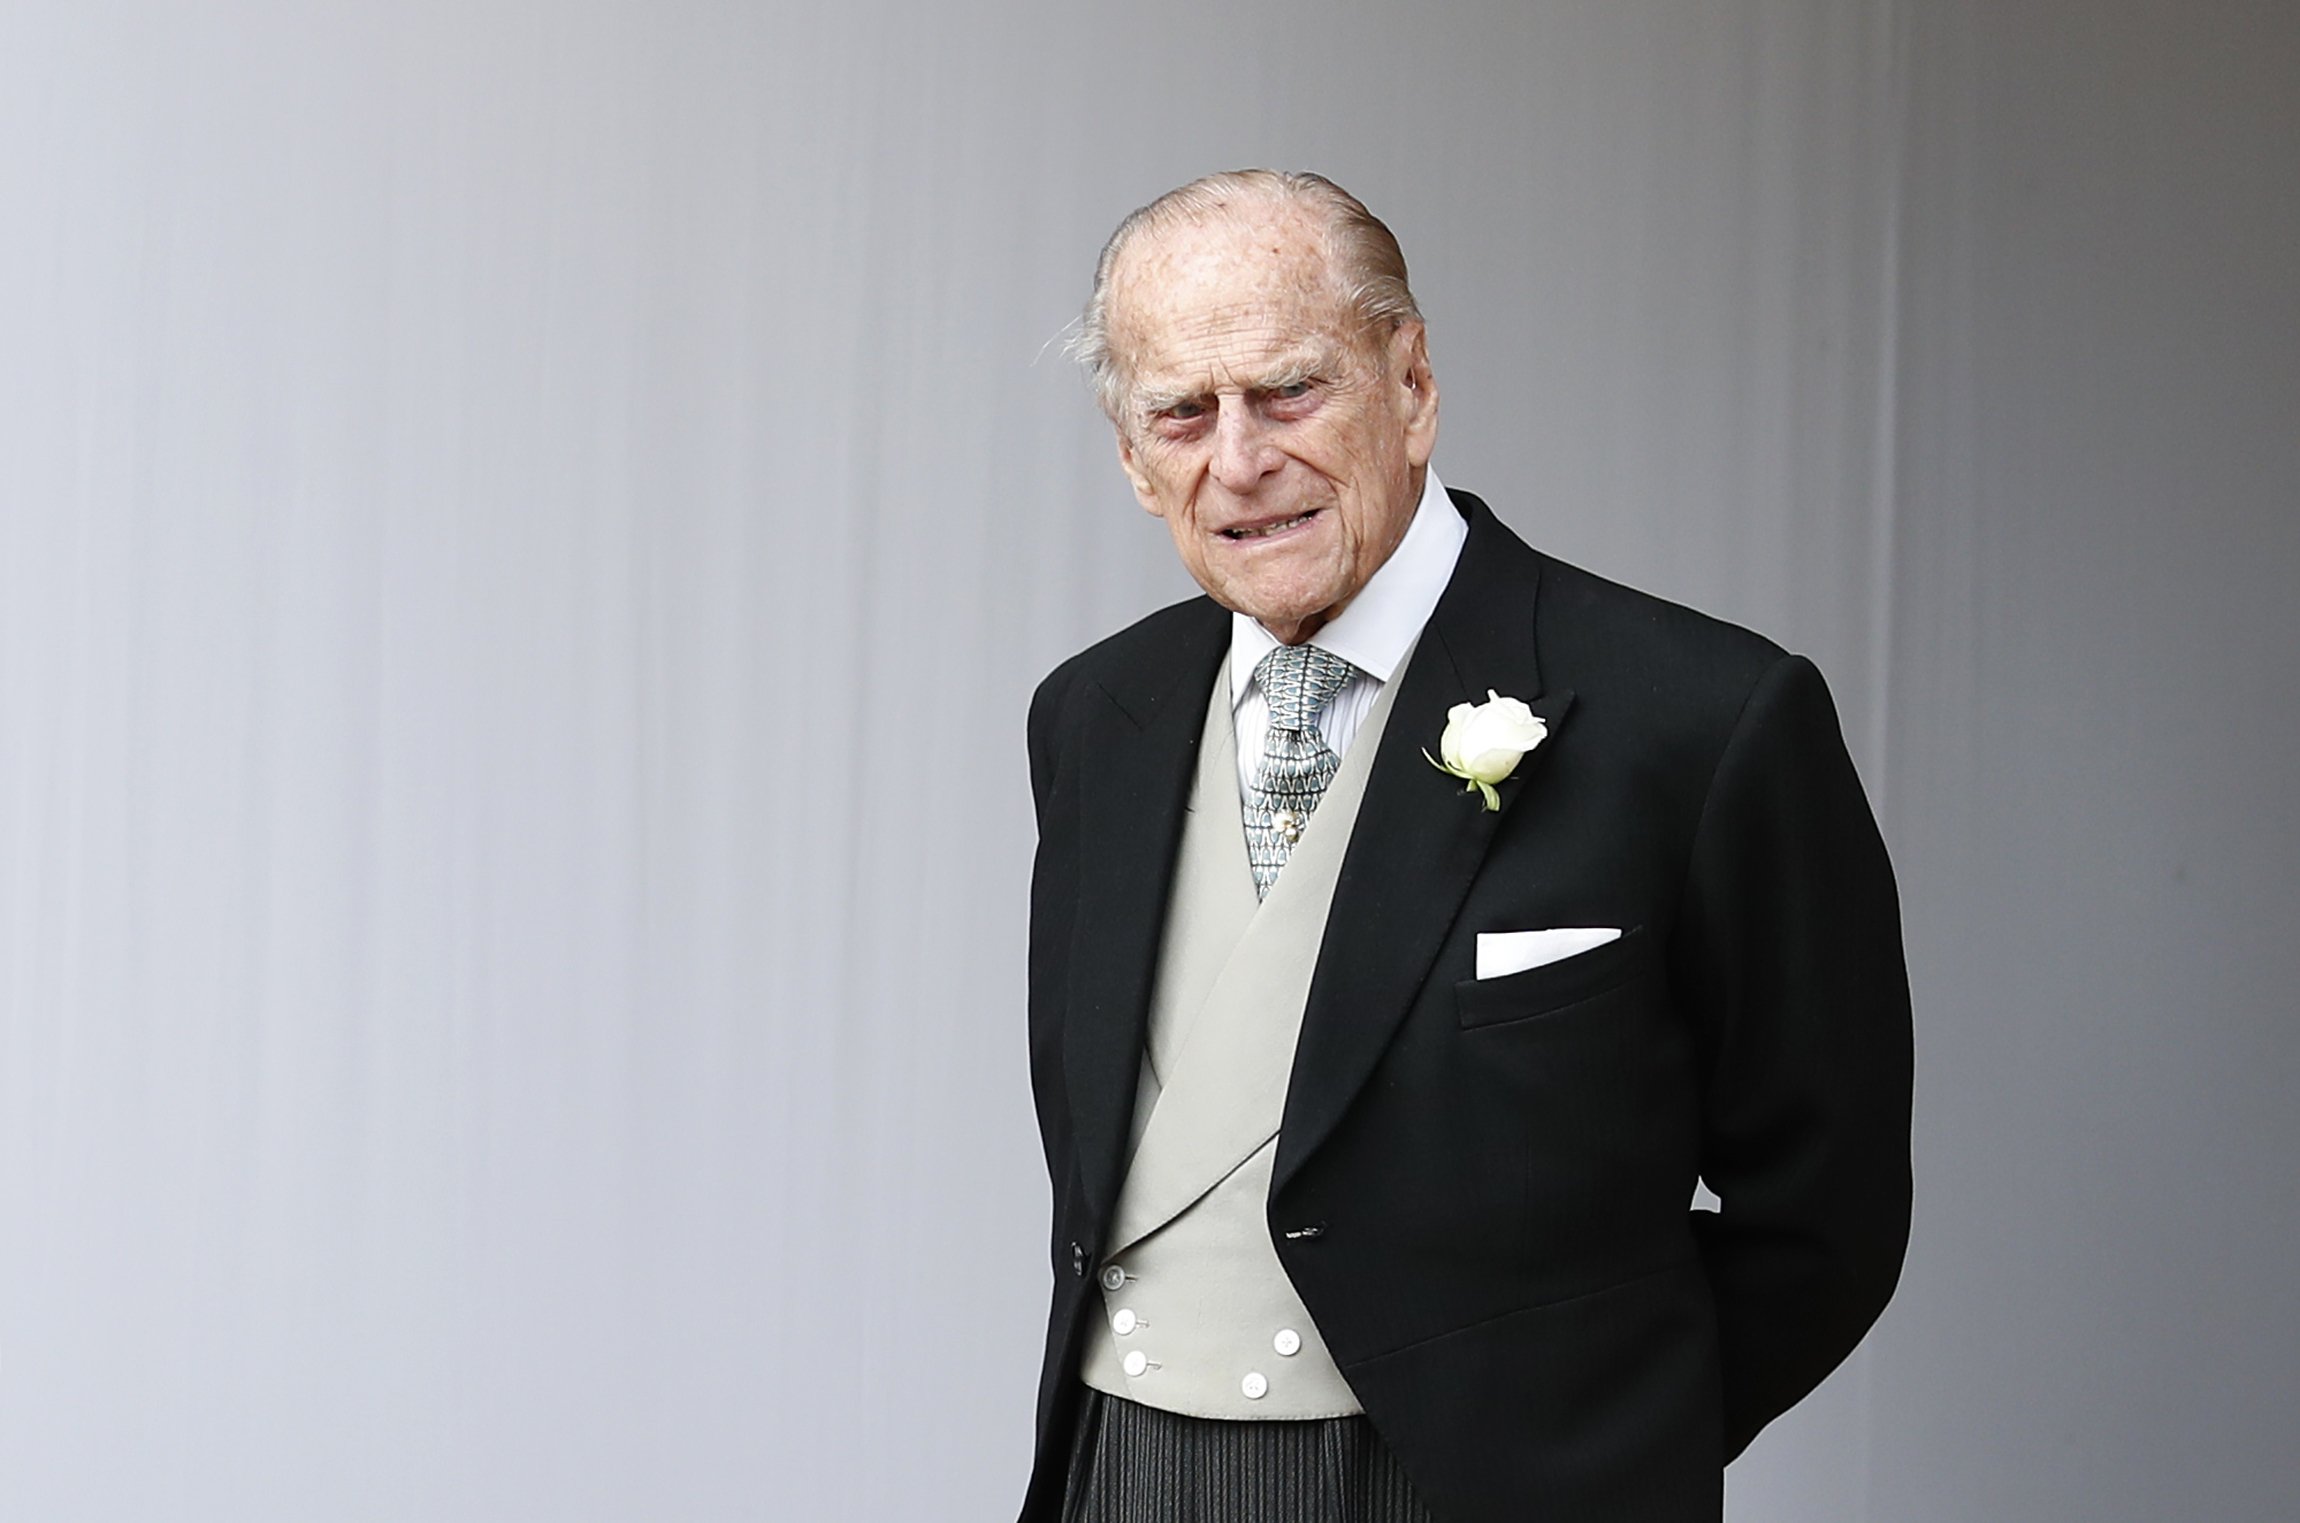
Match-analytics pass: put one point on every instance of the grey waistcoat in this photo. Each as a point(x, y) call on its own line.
point(1199, 1317)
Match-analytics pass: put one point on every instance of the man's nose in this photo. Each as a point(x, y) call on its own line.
point(1243, 450)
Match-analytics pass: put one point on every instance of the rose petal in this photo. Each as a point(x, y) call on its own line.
point(1493, 764)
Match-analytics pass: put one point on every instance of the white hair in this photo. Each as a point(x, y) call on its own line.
point(1359, 247)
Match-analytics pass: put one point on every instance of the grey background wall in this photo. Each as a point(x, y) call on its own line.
point(526, 533)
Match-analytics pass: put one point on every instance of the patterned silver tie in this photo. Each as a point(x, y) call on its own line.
point(1297, 764)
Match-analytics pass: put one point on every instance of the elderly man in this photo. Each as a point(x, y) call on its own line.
point(1416, 920)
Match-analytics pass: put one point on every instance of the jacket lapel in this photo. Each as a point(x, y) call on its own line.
point(1138, 752)
point(1420, 837)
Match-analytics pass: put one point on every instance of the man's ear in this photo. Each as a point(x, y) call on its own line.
point(1133, 470)
point(1416, 390)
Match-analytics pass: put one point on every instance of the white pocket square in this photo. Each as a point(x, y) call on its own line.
point(1500, 953)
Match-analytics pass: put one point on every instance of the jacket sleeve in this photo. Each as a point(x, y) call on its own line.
point(1053, 897)
point(1788, 952)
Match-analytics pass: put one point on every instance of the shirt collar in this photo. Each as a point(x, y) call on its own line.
point(1382, 622)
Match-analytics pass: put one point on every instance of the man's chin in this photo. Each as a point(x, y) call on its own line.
point(1289, 623)
point(1279, 605)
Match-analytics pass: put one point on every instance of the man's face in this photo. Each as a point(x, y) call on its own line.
point(1282, 444)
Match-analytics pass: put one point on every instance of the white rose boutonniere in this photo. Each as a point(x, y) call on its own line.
point(1484, 742)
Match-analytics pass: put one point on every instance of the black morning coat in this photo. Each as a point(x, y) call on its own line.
point(1482, 1187)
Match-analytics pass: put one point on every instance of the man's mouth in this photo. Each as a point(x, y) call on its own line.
point(1265, 531)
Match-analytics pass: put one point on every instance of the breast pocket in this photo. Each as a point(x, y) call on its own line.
point(1557, 986)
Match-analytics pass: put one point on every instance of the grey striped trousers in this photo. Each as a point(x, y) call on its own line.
point(1136, 1464)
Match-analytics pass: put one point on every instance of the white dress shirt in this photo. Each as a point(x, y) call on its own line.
point(1373, 633)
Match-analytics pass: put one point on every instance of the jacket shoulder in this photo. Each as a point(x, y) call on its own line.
point(1598, 635)
point(1140, 655)
point(1603, 638)
point(1137, 668)
point(1675, 689)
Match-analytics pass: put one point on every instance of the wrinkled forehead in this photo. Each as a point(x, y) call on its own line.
point(1241, 287)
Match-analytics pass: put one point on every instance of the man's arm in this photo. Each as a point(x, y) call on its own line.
point(1789, 953)
point(1046, 706)
point(1053, 894)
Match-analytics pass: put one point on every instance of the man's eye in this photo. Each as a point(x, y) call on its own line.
point(1292, 391)
point(1183, 412)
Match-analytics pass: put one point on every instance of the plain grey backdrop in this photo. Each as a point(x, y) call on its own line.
point(526, 533)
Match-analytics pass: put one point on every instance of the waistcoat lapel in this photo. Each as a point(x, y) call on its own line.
point(1210, 905)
